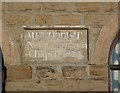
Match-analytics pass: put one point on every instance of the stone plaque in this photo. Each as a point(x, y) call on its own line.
point(57, 45)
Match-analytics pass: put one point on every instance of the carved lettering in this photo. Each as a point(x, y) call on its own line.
point(55, 44)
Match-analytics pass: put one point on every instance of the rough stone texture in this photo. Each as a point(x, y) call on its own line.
point(49, 85)
point(110, 6)
point(10, 51)
point(101, 57)
point(98, 72)
point(96, 20)
point(24, 86)
point(88, 7)
point(61, 85)
point(21, 6)
point(19, 72)
point(57, 85)
point(92, 85)
point(76, 72)
point(43, 20)
point(17, 18)
point(101, 20)
point(96, 7)
point(58, 7)
point(46, 73)
point(67, 19)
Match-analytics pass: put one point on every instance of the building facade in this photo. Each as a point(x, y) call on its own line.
point(58, 46)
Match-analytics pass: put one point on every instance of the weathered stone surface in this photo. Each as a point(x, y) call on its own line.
point(59, 77)
point(57, 85)
point(98, 72)
point(93, 85)
point(55, 45)
point(19, 72)
point(43, 20)
point(96, 20)
point(110, 6)
point(49, 85)
point(46, 73)
point(104, 41)
point(58, 7)
point(68, 19)
point(96, 6)
point(24, 86)
point(88, 7)
point(75, 72)
point(9, 46)
point(21, 6)
point(17, 18)
point(93, 34)
point(61, 85)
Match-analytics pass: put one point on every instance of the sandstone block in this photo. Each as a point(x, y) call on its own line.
point(61, 85)
point(110, 6)
point(88, 7)
point(19, 72)
point(9, 50)
point(17, 18)
point(98, 72)
point(58, 7)
point(96, 20)
point(46, 73)
point(43, 20)
point(21, 6)
point(93, 85)
point(67, 20)
point(75, 72)
point(27, 86)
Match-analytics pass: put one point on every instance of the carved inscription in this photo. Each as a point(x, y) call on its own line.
point(55, 45)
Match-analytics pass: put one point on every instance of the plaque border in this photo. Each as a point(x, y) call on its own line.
point(55, 28)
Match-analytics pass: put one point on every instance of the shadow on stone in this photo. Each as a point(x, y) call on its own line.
point(4, 74)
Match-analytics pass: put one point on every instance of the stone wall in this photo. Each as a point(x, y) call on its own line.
point(100, 19)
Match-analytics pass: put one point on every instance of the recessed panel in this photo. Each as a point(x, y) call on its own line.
point(55, 45)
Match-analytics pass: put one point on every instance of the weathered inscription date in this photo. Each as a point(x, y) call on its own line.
point(55, 45)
